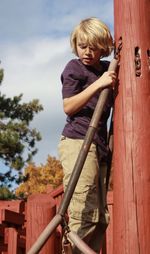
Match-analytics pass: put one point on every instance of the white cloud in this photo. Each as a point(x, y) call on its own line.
point(32, 65)
point(34, 69)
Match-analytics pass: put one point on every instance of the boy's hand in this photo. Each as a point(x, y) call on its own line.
point(107, 79)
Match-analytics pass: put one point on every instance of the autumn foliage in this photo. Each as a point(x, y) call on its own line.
point(39, 178)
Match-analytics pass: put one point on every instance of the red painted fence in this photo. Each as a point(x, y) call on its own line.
point(22, 222)
point(12, 227)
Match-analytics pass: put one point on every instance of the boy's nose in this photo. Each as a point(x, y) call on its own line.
point(87, 50)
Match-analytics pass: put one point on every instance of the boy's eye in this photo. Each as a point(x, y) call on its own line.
point(82, 46)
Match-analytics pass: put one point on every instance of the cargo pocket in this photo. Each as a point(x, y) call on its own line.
point(84, 204)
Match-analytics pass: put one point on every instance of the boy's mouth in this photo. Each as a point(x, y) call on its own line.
point(87, 59)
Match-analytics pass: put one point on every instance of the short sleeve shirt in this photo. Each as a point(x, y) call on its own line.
point(75, 78)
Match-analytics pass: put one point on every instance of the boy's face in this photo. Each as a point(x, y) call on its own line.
point(88, 54)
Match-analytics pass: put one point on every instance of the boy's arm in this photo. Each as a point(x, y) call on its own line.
point(74, 103)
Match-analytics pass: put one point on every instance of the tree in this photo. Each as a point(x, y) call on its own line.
point(6, 194)
point(38, 178)
point(17, 138)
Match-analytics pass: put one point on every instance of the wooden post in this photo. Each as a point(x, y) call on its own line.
point(12, 241)
point(132, 129)
point(41, 209)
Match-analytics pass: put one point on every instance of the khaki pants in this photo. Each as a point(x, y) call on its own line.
point(88, 214)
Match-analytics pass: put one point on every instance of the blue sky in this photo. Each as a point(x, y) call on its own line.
point(34, 49)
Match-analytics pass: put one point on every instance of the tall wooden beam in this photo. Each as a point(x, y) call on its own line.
point(132, 129)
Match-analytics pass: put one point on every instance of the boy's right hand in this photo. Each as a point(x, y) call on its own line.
point(107, 79)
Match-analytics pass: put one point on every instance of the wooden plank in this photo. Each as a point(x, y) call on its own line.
point(10, 217)
point(41, 208)
point(12, 241)
point(13, 205)
point(59, 191)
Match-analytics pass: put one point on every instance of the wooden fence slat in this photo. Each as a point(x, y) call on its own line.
point(12, 231)
point(20, 228)
point(12, 241)
point(41, 208)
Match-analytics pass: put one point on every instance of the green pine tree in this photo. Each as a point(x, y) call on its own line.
point(17, 138)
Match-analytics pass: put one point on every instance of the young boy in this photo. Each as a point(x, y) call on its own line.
point(83, 79)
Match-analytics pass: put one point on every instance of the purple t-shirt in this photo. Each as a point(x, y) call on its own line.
point(75, 78)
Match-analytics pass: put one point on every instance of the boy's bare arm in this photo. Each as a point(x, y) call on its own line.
point(74, 103)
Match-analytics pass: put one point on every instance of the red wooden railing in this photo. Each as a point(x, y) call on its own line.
point(12, 227)
point(22, 222)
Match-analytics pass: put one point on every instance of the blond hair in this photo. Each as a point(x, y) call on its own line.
point(95, 33)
